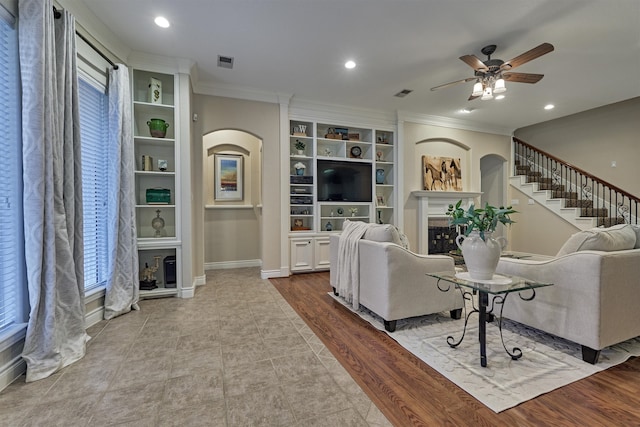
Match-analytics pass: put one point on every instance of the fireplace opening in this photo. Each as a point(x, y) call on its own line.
point(442, 238)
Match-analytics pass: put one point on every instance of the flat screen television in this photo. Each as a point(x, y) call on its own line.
point(340, 181)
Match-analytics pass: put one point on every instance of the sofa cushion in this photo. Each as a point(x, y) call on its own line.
point(616, 238)
point(636, 228)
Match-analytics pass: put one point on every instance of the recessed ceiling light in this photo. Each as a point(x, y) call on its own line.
point(549, 107)
point(466, 110)
point(498, 97)
point(350, 64)
point(162, 22)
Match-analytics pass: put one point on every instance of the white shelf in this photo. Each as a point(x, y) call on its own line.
point(169, 244)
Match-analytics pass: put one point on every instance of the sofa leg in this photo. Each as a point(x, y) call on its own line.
point(335, 292)
point(590, 355)
point(456, 314)
point(390, 325)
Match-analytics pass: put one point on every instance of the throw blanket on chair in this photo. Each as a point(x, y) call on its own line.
point(348, 272)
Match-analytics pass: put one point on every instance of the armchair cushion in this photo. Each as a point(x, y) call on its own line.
point(617, 238)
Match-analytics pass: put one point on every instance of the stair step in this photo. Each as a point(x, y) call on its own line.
point(553, 187)
point(560, 194)
point(594, 212)
point(522, 170)
point(576, 203)
point(608, 222)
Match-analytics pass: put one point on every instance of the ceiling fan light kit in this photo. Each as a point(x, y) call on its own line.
point(490, 75)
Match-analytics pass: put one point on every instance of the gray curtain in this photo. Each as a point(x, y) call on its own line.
point(52, 176)
point(122, 286)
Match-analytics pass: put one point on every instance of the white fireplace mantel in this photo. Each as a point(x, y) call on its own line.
point(435, 204)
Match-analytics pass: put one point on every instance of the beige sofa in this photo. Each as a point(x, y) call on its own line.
point(595, 297)
point(393, 281)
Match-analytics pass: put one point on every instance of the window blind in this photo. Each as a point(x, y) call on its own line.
point(94, 134)
point(11, 252)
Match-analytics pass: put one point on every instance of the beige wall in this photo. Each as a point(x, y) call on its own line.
point(591, 140)
point(469, 146)
point(262, 120)
point(537, 230)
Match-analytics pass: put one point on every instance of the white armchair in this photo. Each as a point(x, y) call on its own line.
point(394, 284)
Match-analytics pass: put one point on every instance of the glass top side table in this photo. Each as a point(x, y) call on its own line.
point(499, 288)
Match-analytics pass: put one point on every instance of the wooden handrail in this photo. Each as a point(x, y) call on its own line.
point(577, 169)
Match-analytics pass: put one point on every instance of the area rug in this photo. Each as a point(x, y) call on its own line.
point(547, 362)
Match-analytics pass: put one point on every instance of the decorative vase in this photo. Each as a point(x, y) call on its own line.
point(481, 256)
point(157, 224)
point(300, 171)
point(157, 128)
point(328, 227)
point(379, 176)
point(300, 152)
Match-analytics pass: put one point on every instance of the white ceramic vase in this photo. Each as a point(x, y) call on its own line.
point(481, 256)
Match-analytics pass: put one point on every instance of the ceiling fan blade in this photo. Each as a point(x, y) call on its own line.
point(530, 55)
point(474, 62)
point(522, 77)
point(471, 97)
point(468, 79)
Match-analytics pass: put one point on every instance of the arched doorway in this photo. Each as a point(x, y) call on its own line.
point(493, 182)
point(232, 199)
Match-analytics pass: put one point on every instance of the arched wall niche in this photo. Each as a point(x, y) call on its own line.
point(445, 148)
point(236, 142)
point(233, 229)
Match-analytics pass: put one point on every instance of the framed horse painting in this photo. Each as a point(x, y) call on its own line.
point(441, 173)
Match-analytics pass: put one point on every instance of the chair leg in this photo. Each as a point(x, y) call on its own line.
point(390, 325)
point(456, 314)
point(590, 355)
point(335, 292)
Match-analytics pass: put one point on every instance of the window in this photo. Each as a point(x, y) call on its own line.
point(12, 282)
point(94, 134)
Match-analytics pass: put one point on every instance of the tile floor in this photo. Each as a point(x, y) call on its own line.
point(235, 355)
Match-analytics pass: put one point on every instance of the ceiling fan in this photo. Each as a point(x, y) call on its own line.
point(490, 75)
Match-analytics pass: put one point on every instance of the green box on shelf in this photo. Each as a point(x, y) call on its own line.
point(158, 196)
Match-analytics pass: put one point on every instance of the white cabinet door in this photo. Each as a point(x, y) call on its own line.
point(301, 255)
point(321, 253)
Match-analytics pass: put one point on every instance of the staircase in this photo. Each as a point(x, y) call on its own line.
point(576, 196)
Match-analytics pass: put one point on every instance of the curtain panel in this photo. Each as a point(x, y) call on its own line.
point(122, 284)
point(52, 197)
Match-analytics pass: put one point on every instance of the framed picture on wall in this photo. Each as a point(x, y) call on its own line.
point(228, 177)
point(441, 173)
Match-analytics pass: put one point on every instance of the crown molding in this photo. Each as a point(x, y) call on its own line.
point(161, 64)
point(425, 119)
point(333, 113)
point(245, 93)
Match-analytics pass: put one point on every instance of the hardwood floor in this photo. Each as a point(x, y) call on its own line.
point(410, 393)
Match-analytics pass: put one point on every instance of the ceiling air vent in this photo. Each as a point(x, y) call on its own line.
point(403, 93)
point(225, 61)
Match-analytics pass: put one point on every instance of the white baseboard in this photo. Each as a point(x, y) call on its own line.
point(11, 371)
point(224, 265)
point(187, 292)
point(199, 281)
point(268, 274)
point(94, 317)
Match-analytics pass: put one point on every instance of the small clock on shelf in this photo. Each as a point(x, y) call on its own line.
point(355, 152)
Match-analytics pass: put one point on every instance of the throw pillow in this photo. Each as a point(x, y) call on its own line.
point(616, 238)
point(381, 233)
